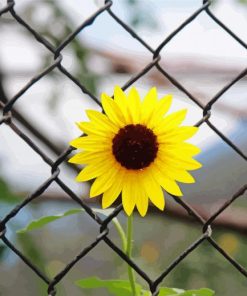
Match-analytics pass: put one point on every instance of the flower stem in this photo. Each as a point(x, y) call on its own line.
point(128, 253)
point(121, 233)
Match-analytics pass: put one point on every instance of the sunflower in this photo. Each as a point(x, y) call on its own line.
point(135, 150)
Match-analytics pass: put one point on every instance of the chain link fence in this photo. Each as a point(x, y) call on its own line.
point(9, 113)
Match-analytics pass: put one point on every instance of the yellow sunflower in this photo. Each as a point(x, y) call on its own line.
point(136, 150)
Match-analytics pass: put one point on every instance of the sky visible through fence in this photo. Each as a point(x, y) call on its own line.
point(9, 113)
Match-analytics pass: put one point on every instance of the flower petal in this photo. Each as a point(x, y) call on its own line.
point(92, 171)
point(153, 190)
point(160, 110)
point(113, 192)
point(180, 148)
point(174, 173)
point(128, 198)
point(178, 135)
point(170, 122)
point(103, 182)
point(112, 110)
point(94, 129)
point(121, 100)
point(91, 143)
point(101, 121)
point(87, 157)
point(134, 105)
point(181, 176)
point(148, 105)
point(180, 163)
point(168, 184)
point(142, 201)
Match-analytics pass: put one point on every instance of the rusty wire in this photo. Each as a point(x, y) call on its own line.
point(9, 112)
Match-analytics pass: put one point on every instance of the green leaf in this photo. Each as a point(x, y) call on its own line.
point(36, 224)
point(115, 287)
point(174, 292)
point(200, 292)
point(39, 223)
point(145, 293)
point(123, 288)
point(170, 292)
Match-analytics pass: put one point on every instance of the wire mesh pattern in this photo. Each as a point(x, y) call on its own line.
point(9, 111)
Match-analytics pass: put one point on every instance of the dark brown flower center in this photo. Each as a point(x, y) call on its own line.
point(135, 146)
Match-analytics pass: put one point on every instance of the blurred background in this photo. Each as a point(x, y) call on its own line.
point(202, 57)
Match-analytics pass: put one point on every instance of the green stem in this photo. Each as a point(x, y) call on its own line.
point(121, 233)
point(128, 253)
point(127, 247)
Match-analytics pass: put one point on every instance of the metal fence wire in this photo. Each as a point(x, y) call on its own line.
point(9, 113)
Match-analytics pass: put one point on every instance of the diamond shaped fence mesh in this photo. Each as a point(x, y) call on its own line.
point(9, 112)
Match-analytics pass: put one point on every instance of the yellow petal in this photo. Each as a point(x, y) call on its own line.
point(128, 198)
point(170, 122)
point(160, 110)
point(142, 201)
point(180, 163)
point(93, 171)
point(103, 182)
point(178, 135)
point(168, 184)
point(113, 192)
point(119, 95)
point(180, 148)
point(171, 186)
point(153, 190)
point(134, 105)
point(175, 154)
point(82, 157)
point(148, 105)
point(121, 100)
point(181, 176)
point(112, 110)
point(90, 128)
point(89, 157)
point(174, 173)
point(91, 143)
point(101, 121)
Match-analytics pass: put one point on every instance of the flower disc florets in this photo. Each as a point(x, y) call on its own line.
point(135, 146)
